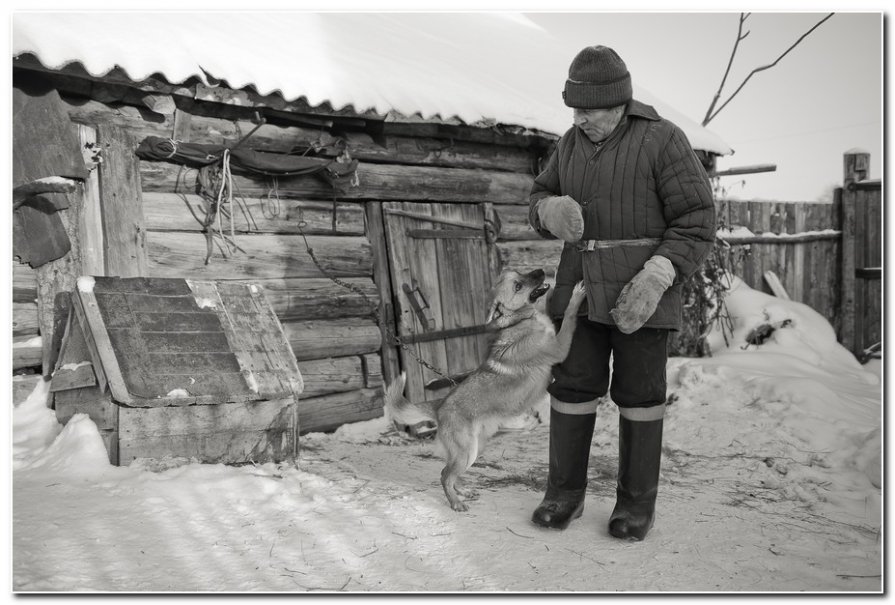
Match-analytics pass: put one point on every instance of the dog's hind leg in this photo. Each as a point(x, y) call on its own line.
point(459, 458)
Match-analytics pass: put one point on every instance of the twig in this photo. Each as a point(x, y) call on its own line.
point(518, 534)
point(762, 68)
point(846, 575)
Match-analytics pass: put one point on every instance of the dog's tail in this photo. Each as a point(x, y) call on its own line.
point(400, 411)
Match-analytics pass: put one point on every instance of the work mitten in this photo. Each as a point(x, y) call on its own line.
point(561, 216)
point(640, 296)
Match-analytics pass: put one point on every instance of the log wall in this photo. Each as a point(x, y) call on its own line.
point(307, 243)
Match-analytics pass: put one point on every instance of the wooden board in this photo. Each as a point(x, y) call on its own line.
point(124, 230)
point(24, 319)
point(87, 400)
point(385, 314)
point(259, 431)
point(24, 283)
point(264, 256)
point(307, 298)
point(175, 342)
point(257, 214)
point(75, 366)
point(377, 182)
point(328, 412)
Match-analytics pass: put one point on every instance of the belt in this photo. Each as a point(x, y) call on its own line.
point(589, 245)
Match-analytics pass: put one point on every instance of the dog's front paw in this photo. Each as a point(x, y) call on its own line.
point(579, 293)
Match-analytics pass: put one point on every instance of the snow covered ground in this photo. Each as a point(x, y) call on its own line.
point(771, 481)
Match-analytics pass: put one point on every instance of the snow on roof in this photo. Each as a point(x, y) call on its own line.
point(473, 66)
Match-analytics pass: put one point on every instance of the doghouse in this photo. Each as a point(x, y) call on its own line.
point(179, 368)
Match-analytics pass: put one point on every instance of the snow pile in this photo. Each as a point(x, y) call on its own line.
point(34, 425)
point(781, 390)
point(774, 445)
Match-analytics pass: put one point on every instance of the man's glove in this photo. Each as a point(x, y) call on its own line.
point(640, 296)
point(561, 216)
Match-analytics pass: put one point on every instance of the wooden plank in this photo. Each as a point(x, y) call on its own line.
point(88, 400)
point(24, 319)
point(372, 364)
point(181, 127)
point(322, 298)
point(318, 339)
point(385, 311)
point(25, 355)
point(100, 346)
point(24, 283)
point(254, 335)
point(848, 336)
point(774, 284)
point(124, 230)
point(465, 287)
point(75, 366)
point(259, 431)
point(264, 256)
point(90, 220)
point(261, 214)
point(377, 182)
point(328, 412)
point(414, 263)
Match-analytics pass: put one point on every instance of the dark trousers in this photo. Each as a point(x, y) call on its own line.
point(638, 366)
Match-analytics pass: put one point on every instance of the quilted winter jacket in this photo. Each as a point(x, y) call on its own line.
point(643, 181)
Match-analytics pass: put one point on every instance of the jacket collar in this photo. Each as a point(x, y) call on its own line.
point(641, 110)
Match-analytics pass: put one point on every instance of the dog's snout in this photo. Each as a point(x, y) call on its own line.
point(537, 274)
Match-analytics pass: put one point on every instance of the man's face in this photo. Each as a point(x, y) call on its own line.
point(598, 124)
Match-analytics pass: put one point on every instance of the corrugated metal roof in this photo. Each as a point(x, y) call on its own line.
point(473, 66)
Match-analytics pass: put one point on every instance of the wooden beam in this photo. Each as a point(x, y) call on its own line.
point(90, 220)
point(391, 365)
point(774, 284)
point(124, 231)
point(262, 256)
point(376, 182)
point(855, 168)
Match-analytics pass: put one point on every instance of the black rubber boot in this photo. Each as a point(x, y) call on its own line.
point(639, 455)
point(570, 436)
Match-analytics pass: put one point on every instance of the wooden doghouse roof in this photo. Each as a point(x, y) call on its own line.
point(174, 342)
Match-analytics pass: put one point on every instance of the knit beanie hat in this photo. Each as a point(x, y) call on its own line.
point(598, 78)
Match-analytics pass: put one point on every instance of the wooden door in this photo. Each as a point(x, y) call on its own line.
point(442, 265)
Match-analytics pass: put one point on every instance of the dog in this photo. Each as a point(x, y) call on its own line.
point(511, 380)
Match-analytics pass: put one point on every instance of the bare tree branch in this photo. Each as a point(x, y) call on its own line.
point(710, 116)
point(740, 37)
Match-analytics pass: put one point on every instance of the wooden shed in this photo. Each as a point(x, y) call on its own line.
point(179, 368)
point(380, 261)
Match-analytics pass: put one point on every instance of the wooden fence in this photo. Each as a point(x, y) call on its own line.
point(826, 255)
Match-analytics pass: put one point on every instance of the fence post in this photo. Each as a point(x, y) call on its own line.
point(856, 168)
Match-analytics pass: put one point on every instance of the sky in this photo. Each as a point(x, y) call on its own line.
point(822, 99)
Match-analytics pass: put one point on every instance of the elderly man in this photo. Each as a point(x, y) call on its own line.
point(628, 196)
